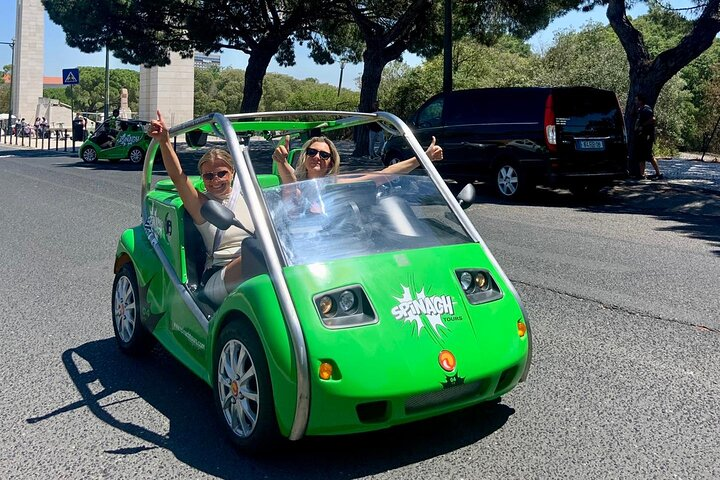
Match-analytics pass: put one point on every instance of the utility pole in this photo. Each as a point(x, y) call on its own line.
point(107, 82)
point(447, 49)
point(12, 77)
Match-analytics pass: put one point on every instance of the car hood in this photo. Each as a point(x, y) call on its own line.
point(421, 311)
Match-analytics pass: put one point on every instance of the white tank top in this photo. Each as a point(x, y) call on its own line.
point(229, 247)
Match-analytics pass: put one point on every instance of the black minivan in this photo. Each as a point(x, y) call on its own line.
point(517, 138)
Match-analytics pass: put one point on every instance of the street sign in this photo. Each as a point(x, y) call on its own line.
point(71, 76)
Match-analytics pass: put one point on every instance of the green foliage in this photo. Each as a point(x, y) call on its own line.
point(58, 93)
point(4, 98)
point(506, 64)
point(220, 90)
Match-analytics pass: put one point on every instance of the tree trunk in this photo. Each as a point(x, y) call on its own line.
point(648, 76)
point(254, 75)
point(373, 65)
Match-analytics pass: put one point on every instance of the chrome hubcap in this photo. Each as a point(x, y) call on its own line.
point(507, 180)
point(136, 156)
point(124, 309)
point(238, 388)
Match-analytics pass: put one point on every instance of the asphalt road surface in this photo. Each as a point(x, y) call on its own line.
point(622, 294)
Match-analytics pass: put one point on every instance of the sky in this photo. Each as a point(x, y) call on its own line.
point(59, 56)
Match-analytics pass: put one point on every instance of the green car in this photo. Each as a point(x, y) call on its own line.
point(115, 140)
point(383, 307)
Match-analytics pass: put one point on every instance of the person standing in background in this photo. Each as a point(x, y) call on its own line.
point(377, 136)
point(645, 137)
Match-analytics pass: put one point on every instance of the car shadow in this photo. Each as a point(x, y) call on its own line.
point(690, 211)
point(109, 381)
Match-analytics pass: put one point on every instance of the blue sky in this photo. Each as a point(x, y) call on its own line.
point(58, 55)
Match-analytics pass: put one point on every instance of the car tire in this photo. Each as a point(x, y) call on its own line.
point(247, 410)
point(136, 155)
point(131, 335)
point(89, 155)
point(510, 181)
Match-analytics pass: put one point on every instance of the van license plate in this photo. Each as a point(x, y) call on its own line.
point(589, 145)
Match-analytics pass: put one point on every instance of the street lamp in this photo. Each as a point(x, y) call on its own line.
point(342, 67)
point(12, 77)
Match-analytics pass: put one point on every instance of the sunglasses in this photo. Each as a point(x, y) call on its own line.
point(311, 152)
point(211, 175)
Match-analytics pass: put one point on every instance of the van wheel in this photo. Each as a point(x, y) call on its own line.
point(509, 180)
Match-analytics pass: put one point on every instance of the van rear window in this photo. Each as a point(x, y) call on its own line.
point(585, 110)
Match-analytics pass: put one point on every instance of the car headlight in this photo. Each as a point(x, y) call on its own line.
point(345, 307)
point(478, 285)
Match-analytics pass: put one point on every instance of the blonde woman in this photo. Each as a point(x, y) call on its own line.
point(223, 266)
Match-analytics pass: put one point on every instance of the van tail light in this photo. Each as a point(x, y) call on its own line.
point(550, 131)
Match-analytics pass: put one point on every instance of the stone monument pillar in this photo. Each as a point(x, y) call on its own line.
point(27, 72)
point(170, 89)
point(125, 112)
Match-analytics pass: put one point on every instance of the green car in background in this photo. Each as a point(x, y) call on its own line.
point(115, 140)
point(380, 305)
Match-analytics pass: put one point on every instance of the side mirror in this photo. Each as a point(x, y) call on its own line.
point(218, 214)
point(466, 197)
point(196, 138)
point(221, 216)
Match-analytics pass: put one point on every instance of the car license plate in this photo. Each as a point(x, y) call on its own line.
point(589, 145)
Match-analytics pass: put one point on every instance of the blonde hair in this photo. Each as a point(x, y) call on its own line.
point(216, 154)
point(301, 169)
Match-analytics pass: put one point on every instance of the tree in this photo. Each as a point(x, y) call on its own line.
point(649, 73)
point(146, 31)
point(388, 28)
point(508, 63)
point(5, 89)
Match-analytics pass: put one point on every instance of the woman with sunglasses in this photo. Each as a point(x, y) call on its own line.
point(223, 266)
point(319, 157)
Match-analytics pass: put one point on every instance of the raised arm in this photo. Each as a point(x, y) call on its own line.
point(280, 156)
point(434, 152)
point(192, 199)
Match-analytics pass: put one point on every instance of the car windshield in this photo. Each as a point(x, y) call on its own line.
point(349, 215)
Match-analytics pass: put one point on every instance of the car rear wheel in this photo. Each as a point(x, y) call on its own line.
point(243, 392)
point(509, 180)
point(89, 155)
point(136, 155)
point(131, 335)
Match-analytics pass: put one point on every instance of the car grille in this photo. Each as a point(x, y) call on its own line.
point(422, 401)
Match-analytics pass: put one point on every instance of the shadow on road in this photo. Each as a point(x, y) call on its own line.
point(692, 212)
point(109, 381)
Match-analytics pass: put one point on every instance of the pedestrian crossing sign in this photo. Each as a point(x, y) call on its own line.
point(71, 76)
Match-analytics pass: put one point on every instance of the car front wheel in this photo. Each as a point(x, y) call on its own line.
point(136, 155)
point(243, 393)
point(89, 155)
point(509, 180)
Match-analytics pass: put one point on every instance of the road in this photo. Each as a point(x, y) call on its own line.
point(622, 293)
